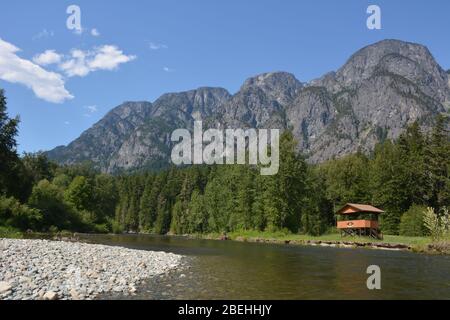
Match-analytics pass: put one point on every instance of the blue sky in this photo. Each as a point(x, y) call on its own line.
point(142, 49)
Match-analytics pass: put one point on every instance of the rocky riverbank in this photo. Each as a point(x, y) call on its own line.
point(50, 270)
point(416, 245)
point(336, 244)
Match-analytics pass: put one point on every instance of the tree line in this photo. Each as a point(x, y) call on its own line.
point(403, 177)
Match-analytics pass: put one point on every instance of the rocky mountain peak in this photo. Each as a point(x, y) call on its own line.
point(194, 103)
point(272, 80)
point(412, 61)
point(375, 95)
point(362, 64)
point(131, 108)
point(273, 87)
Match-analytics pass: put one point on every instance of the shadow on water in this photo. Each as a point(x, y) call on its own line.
point(235, 270)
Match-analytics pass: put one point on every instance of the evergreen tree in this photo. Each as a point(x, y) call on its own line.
point(438, 164)
point(145, 223)
point(38, 167)
point(259, 218)
point(163, 218)
point(198, 219)
point(219, 199)
point(9, 161)
point(388, 186)
point(245, 198)
point(411, 147)
point(318, 214)
point(347, 180)
point(105, 196)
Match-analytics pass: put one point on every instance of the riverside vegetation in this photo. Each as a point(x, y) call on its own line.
point(404, 177)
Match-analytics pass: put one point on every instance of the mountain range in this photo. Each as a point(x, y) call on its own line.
point(374, 96)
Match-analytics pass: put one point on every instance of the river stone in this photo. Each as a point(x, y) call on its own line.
point(49, 270)
point(5, 286)
point(50, 295)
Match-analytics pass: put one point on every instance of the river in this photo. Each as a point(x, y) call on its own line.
point(236, 270)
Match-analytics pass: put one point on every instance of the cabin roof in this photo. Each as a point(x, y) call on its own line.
point(359, 208)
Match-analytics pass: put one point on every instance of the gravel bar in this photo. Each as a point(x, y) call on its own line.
point(52, 270)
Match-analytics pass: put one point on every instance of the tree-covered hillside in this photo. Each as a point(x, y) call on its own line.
point(400, 176)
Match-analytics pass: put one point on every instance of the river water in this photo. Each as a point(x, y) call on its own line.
point(235, 270)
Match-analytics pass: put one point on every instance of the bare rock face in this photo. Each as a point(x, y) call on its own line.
point(261, 102)
point(99, 143)
point(379, 91)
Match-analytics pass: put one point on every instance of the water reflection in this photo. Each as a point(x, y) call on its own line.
point(233, 270)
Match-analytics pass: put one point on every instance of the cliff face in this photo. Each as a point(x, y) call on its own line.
point(379, 91)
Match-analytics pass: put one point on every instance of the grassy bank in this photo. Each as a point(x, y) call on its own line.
point(416, 244)
point(11, 233)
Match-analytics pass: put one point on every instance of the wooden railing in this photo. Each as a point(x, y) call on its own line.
point(355, 224)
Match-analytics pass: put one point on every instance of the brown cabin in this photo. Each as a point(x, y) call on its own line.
point(359, 220)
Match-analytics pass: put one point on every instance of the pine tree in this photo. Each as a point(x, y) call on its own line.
point(145, 222)
point(347, 179)
point(198, 218)
point(438, 164)
point(318, 212)
point(9, 161)
point(162, 223)
point(245, 197)
point(389, 187)
point(411, 146)
point(283, 192)
point(259, 218)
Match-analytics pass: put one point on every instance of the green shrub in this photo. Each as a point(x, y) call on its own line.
point(9, 232)
point(438, 225)
point(48, 198)
point(102, 228)
point(62, 181)
point(116, 227)
point(16, 215)
point(53, 229)
point(412, 222)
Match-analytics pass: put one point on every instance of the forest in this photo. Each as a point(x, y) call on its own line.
point(402, 177)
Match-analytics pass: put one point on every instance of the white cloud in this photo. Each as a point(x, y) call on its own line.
point(90, 110)
point(47, 58)
point(76, 65)
point(157, 46)
point(46, 85)
point(107, 57)
point(95, 33)
point(44, 34)
point(66, 123)
point(167, 69)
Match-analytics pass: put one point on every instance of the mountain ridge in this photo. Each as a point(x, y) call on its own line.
point(380, 89)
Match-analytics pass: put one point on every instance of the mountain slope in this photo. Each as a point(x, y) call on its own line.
point(379, 91)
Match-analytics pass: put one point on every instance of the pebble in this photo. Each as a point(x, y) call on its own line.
point(5, 287)
point(51, 296)
point(53, 270)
